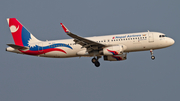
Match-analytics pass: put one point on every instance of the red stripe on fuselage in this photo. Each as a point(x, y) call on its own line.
point(29, 52)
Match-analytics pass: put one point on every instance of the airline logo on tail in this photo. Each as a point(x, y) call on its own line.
point(21, 35)
point(16, 30)
point(23, 38)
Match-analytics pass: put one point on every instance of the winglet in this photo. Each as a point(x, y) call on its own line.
point(64, 28)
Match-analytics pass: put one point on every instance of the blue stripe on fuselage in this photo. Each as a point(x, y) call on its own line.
point(36, 48)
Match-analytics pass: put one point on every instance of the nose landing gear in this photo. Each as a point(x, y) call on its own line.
point(95, 61)
point(152, 57)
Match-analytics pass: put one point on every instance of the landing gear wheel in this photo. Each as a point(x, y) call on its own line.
point(152, 57)
point(94, 60)
point(97, 64)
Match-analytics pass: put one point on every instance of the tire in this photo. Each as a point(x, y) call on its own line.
point(97, 64)
point(94, 60)
point(152, 57)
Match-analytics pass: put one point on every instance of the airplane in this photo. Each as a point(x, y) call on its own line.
point(110, 47)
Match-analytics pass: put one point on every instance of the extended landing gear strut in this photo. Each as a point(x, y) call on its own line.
point(95, 61)
point(152, 57)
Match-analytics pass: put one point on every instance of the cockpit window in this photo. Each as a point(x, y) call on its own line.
point(162, 36)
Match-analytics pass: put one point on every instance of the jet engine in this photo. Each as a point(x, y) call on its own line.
point(115, 57)
point(113, 50)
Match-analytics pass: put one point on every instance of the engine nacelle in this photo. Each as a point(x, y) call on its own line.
point(115, 57)
point(113, 50)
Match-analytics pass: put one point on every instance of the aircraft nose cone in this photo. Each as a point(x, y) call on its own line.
point(171, 41)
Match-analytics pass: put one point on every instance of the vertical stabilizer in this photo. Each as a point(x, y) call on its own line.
point(21, 35)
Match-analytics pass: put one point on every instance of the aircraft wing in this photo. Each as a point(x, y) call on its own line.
point(85, 43)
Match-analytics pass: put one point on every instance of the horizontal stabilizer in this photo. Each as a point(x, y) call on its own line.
point(17, 46)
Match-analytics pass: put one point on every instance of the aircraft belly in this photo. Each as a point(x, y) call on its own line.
point(57, 54)
point(140, 45)
point(134, 47)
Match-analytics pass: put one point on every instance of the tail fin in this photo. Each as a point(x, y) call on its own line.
point(21, 35)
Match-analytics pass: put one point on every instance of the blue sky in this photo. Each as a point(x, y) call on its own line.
point(28, 78)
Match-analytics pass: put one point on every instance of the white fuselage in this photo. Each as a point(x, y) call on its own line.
point(132, 42)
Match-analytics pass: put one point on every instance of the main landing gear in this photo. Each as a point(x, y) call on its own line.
point(95, 61)
point(152, 57)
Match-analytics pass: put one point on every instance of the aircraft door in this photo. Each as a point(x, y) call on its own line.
point(150, 37)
